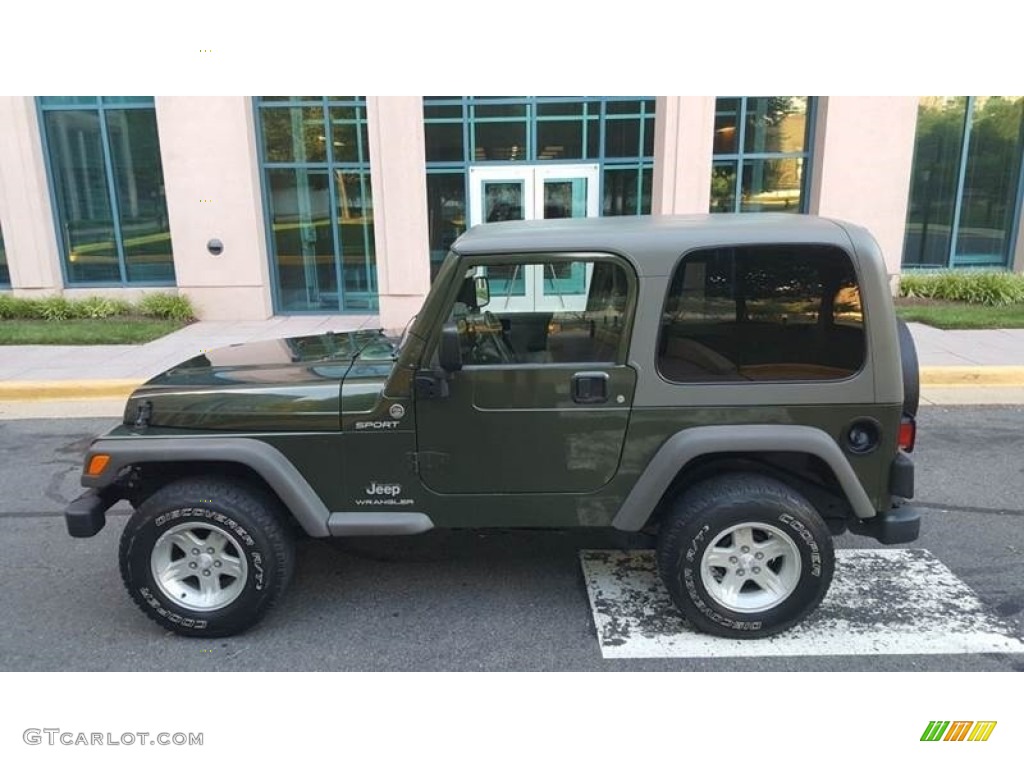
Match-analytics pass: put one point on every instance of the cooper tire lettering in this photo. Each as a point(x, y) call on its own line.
point(812, 544)
point(706, 514)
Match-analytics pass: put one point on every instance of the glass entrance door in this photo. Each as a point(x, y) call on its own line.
point(520, 193)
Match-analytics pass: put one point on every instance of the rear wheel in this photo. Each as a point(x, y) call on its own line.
point(744, 555)
point(207, 557)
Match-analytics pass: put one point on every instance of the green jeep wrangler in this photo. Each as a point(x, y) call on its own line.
point(736, 385)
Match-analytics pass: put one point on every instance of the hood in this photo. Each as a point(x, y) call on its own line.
point(278, 385)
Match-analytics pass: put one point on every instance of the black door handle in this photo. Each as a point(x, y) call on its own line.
point(590, 387)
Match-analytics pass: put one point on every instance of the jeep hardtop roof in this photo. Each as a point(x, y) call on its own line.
point(652, 243)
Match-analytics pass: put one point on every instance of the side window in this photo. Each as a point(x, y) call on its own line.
point(762, 313)
point(550, 312)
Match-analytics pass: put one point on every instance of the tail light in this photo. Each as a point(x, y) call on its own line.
point(908, 433)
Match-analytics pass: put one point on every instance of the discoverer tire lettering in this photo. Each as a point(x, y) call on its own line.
point(253, 519)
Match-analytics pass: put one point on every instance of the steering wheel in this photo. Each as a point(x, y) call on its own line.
point(489, 343)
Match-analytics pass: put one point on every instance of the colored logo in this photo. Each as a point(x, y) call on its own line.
point(958, 730)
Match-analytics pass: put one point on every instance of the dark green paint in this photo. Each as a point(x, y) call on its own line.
point(517, 430)
point(281, 385)
point(508, 446)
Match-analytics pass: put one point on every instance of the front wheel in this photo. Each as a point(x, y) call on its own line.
point(207, 557)
point(745, 556)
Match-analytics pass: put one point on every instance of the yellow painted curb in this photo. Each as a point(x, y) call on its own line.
point(972, 376)
point(67, 390)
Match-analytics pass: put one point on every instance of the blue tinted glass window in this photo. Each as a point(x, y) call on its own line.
point(314, 152)
point(69, 100)
point(5, 275)
point(761, 149)
point(965, 184)
point(106, 180)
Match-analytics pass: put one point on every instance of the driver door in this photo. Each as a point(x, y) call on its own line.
point(542, 401)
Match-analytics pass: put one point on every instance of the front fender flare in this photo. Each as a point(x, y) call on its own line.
point(265, 460)
point(688, 444)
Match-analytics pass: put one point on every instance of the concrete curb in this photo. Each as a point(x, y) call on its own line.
point(931, 376)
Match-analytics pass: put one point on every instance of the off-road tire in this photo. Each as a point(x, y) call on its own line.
point(701, 514)
point(252, 518)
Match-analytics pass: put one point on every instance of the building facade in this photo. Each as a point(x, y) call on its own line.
point(256, 206)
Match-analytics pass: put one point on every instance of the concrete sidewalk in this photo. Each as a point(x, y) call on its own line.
point(970, 367)
point(950, 360)
point(86, 368)
point(956, 348)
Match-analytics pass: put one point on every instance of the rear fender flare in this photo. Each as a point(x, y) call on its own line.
point(689, 444)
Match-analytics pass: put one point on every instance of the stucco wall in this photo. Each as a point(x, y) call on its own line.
point(399, 178)
point(683, 141)
point(862, 158)
point(211, 175)
point(25, 210)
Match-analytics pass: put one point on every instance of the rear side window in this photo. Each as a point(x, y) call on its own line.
point(762, 313)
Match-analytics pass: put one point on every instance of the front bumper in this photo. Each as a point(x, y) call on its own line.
point(86, 515)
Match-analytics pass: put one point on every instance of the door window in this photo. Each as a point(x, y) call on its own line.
point(518, 192)
point(588, 327)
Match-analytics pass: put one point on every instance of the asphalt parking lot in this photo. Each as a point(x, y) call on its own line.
point(468, 600)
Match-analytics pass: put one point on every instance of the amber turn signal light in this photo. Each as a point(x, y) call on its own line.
point(97, 464)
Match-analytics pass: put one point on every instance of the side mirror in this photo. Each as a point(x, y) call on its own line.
point(483, 291)
point(449, 351)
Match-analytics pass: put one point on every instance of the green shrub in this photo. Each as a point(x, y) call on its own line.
point(15, 309)
point(100, 306)
point(54, 308)
point(58, 308)
point(166, 306)
point(968, 286)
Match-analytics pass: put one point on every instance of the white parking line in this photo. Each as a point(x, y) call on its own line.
point(882, 601)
